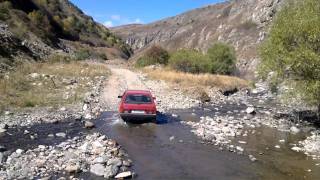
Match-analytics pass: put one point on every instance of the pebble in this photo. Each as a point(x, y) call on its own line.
point(175, 115)
point(61, 134)
point(89, 125)
point(171, 138)
point(2, 131)
point(72, 168)
point(111, 171)
point(250, 110)
point(97, 169)
point(297, 149)
point(294, 130)
point(277, 146)
point(252, 158)
point(123, 175)
point(19, 151)
point(4, 126)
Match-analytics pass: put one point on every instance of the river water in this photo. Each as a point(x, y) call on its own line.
point(169, 150)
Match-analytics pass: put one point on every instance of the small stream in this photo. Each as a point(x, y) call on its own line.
point(169, 150)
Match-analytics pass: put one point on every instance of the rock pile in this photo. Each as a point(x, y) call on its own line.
point(95, 153)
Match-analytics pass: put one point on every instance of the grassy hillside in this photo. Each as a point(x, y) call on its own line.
point(36, 27)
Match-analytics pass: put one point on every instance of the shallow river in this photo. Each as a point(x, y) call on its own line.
point(169, 150)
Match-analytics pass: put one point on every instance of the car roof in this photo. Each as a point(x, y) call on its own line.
point(146, 92)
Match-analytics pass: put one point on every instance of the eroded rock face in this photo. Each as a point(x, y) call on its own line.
point(242, 23)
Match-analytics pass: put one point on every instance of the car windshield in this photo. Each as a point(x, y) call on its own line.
point(138, 99)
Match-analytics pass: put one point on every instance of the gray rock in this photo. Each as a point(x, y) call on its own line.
point(127, 163)
point(123, 175)
point(98, 169)
point(61, 134)
point(19, 151)
point(171, 138)
point(88, 116)
point(111, 171)
point(115, 162)
point(34, 75)
point(100, 160)
point(1, 157)
point(252, 158)
point(297, 149)
point(250, 110)
point(2, 131)
point(88, 125)
point(294, 130)
point(72, 168)
point(4, 126)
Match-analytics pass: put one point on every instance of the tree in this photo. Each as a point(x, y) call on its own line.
point(292, 49)
point(191, 61)
point(222, 58)
point(154, 55)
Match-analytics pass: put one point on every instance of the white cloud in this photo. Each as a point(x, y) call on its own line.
point(108, 24)
point(116, 17)
point(138, 20)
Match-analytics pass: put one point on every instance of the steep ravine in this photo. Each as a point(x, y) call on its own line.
point(242, 23)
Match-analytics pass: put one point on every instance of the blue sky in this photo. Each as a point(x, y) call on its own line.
point(119, 12)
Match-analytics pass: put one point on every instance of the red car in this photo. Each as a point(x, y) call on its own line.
point(137, 105)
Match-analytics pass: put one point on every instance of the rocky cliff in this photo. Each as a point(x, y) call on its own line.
point(242, 23)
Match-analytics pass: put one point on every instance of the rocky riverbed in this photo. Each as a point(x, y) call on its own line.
point(69, 145)
point(240, 114)
point(93, 153)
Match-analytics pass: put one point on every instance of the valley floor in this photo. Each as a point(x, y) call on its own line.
point(63, 142)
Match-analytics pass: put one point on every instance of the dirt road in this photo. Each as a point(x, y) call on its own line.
point(122, 79)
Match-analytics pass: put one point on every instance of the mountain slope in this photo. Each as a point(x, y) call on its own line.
point(34, 28)
point(242, 23)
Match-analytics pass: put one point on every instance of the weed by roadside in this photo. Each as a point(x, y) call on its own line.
point(187, 80)
point(48, 84)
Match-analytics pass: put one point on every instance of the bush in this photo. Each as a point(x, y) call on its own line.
point(82, 54)
point(4, 10)
point(191, 61)
point(222, 59)
point(294, 53)
point(154, 55)
point(247, 25)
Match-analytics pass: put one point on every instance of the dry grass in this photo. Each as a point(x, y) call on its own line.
point(50, 87)
point(188, 80)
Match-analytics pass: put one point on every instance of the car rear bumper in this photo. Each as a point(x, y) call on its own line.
point(137, 117)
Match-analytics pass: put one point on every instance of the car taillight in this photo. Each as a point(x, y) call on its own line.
point(121, 110)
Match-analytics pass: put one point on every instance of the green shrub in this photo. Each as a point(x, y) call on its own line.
point(191, 61)
point(222, 59)
point(59, 58)
point(103, 56)
point(82, 54)
point(294, 53)
point(4, 10)
point(247, 25)
point(154, 55)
